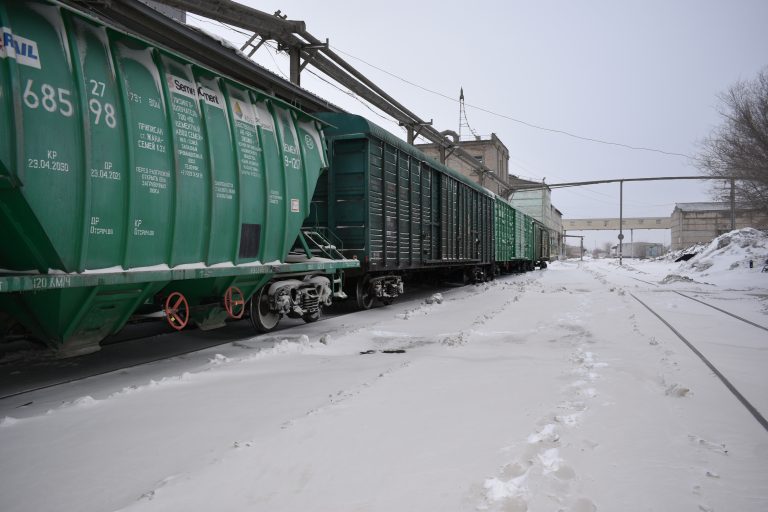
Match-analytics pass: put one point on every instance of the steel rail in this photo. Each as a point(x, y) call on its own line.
point(752, 410)
point(724, 311)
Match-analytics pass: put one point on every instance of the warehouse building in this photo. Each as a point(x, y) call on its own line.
point(694, 223)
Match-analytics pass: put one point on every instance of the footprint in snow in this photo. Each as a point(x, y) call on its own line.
point(715, 447)
point(676, 390)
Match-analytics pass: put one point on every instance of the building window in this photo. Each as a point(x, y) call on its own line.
point(479, 159)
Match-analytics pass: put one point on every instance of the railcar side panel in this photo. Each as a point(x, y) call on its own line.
point(120, 151)
point(119, 155)
point(419, 215)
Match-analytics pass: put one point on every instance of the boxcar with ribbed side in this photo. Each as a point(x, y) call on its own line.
point(400, 213)
point(510, 227)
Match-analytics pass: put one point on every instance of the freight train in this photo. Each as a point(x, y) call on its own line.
point(402, 214)
point(133, 179)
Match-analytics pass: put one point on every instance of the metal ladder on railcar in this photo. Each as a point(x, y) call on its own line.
point(317, 242)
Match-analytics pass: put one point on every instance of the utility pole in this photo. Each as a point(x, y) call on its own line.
point(621, 218)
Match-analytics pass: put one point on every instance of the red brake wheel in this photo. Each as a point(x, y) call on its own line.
point(177, 310)
point(234, 302)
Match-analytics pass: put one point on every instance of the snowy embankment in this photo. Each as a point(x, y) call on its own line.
point(553, 390)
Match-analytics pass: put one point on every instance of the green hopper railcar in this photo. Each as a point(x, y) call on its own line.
point(131, 176)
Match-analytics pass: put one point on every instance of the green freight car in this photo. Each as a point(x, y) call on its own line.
point(131, 176)
point(541, 245)
point(400, 213)
point(512, 242)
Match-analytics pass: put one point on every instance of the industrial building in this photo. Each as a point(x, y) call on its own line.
point(492, 153)
point(639, 250)
point(694, 223)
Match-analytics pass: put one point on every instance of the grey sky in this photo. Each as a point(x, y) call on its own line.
point(641, 73)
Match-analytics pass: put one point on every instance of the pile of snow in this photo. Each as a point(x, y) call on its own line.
point(435, 298)
point(725, 261)
point(731, 251)
point(681, 253)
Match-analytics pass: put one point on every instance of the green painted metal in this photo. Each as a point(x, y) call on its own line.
point(529, 248)
point(33, 282)
point(117, 154)
point(504, 224)
point(124, 154)
point(394, 208)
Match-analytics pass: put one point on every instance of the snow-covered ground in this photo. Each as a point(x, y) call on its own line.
point(553, 390)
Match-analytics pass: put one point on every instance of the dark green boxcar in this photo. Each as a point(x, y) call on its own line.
point(509, 225)
point(398, 211)
point(542, 244)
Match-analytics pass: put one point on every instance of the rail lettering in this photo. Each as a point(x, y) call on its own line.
point(106, 173)
point(20, 48)
point(103, 110)
point(50, 98)
point(224, 190)
point(50, 163)
point(275, 197)
point(97, 88)
point(210, 96)
point(156, 180)
point(96, 230)
point(292, 162)
point(139, 231)
point(151, 137)
point(51, 282)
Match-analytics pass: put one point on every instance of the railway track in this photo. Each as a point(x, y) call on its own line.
point(135, 346)
point(712, 339)
point(140, 344)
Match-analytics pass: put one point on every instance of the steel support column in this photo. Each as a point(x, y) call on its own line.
point(621, 219)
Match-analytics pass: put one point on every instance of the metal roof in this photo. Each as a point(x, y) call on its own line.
point(707, 207)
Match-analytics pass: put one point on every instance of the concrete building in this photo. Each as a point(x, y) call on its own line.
point(640, 250)
point(694, 223)
point(537, 203)
point(490, 152)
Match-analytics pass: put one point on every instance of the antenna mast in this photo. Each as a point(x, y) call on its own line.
point(463, 122)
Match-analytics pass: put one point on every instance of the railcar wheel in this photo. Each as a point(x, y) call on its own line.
point(177, 310)
point(311, 317)
point(363, 293)
point(262, 319)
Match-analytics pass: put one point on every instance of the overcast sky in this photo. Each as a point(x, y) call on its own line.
point(638, 73)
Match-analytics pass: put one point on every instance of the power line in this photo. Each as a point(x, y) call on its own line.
point(217, 22)
point(516, 120)
point(352, 95)
point(482, 109)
